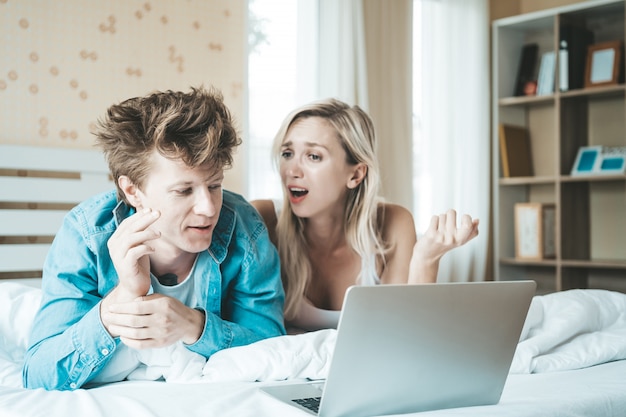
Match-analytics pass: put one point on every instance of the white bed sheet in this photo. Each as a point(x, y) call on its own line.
point(570, 362)
point(598, 391)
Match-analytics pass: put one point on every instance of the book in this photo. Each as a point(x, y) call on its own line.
point(545, 78)
point(515, 152)
point(526, 69)
point(573, 44)
point(563, 65)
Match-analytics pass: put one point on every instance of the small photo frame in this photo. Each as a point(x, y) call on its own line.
point(603, 64)
point(588, 160)
point(600, 160)
point(613, 161)
point(535, 231)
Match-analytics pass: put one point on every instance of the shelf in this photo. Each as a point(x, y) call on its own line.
point(569, 263)
point(514, 261)
point(608, 91)
point(604, 264)
point(527, 180)
point(526, 100)
point(512, 181)
point(592, 178)
point(604, 91)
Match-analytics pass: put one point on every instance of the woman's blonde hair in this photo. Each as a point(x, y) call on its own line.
point(355, 131)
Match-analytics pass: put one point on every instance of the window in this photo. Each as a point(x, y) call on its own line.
point(282, 74)
point(421, 177)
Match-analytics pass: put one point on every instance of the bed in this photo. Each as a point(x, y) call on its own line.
point(570, 361)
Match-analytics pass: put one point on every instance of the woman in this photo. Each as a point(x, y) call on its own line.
point(332, 230)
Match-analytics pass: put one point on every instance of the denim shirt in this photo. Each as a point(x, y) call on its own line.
point(237, 286)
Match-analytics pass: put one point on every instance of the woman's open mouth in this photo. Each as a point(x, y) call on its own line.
point(297, 194)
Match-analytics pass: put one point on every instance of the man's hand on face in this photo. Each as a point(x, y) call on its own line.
point(130, 248)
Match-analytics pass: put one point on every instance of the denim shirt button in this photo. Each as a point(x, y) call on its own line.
point(73, 385)
point(105, 351)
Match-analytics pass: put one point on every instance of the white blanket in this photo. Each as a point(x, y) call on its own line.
point(571, 330)
point(563, 331)
point(285, 357)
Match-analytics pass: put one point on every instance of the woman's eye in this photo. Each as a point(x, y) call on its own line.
point(315, 157)
point(286, 154)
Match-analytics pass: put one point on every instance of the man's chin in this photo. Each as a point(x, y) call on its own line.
point(199, 247)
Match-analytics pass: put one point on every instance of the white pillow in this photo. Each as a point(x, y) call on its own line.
point(18, 305)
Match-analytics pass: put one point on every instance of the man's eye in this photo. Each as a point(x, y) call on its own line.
point(215, 187)
point(184, 191)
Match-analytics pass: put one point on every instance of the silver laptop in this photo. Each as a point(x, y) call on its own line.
point(409, 348)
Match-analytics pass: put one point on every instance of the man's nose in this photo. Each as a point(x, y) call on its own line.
point(205, 204)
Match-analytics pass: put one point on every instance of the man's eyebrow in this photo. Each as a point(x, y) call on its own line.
point(179, 184)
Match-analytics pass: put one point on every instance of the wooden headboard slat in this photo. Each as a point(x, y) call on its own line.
point(34, 205)
point(21, 274)
point(38, 186)
point(6, 172)
point(25, 240)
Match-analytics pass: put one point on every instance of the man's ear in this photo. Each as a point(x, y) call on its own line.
point(130, 190)
point(358, 175)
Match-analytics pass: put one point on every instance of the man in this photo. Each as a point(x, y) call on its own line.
point(169, 258)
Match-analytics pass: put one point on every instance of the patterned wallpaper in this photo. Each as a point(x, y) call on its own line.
point(63, 62)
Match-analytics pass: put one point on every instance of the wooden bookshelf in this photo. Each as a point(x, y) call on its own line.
point(590, 224)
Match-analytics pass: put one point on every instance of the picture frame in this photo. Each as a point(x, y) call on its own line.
point(603, 65)
point(600, 160)
point(613, 161)
point(587, 161)
point(535, 231)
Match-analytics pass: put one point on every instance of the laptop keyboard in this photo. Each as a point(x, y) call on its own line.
point(312, 403)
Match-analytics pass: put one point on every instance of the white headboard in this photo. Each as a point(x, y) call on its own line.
point(38, 186)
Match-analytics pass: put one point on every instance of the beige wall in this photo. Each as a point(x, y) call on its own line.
point(63, 62)
point(389, 84)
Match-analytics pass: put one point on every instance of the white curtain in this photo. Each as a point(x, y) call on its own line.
point(342, 60)
point(364, 59)
point(452, 125)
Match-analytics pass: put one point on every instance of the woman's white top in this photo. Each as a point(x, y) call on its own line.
point(311, 318)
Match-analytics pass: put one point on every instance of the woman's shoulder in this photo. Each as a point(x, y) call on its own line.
point(394, 216)
point(396, 222)
point(267, 210)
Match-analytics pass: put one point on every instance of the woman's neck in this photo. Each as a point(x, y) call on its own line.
point(325, 234)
